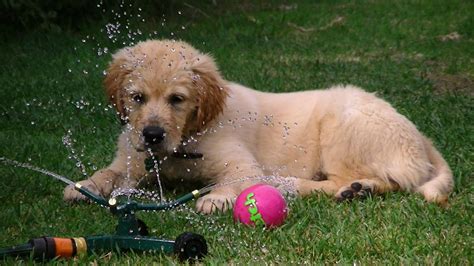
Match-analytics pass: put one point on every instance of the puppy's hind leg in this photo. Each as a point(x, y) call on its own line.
point(344, 190)
point(306, 187)
point(363, 188)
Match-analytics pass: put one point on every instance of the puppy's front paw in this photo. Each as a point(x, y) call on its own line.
point(71, 194)
point(215, 202)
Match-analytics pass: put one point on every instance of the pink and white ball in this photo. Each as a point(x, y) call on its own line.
point(260, 205)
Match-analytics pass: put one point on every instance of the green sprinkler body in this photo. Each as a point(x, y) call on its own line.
point(131, 234)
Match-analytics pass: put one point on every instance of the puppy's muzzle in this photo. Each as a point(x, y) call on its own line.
point(153, 135)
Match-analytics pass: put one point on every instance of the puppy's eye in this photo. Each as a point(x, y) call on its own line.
point(175, 99)
point(138, 98)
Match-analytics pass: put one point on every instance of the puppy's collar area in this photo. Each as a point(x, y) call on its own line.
point(187, 142)
point(150, 161)
point(188, 155)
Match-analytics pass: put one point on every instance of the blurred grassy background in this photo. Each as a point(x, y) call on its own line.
point(416, 54)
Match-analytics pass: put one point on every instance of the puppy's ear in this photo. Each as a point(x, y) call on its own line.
point(211, 88)
point(114, 83)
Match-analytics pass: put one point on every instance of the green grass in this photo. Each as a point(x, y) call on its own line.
point(393, 48)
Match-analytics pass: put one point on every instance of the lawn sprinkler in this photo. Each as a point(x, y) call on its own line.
point(131, 233)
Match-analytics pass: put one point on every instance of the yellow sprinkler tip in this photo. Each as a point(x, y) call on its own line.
point(196, 193)
point(112, 201)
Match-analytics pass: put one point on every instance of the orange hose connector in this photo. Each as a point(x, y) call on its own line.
point(65, 247)
point(69, 247)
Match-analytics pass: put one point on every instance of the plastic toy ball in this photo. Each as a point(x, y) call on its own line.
point(260, 205)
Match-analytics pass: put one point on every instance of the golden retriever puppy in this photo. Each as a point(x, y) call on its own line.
point(177, 107)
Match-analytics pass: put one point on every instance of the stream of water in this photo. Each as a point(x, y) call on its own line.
point(36, 169)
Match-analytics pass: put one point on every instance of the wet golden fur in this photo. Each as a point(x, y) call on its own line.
point(341, 141)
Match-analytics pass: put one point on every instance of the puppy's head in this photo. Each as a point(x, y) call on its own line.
point(164, 90)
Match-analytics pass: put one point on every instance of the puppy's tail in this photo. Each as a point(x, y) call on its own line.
point(437, 189)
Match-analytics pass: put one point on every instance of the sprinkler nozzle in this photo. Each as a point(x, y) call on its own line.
point(92, 196)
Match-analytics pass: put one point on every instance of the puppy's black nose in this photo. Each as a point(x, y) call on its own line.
point(153, 134)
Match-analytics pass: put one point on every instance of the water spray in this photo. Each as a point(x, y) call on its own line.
point(131, 233)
